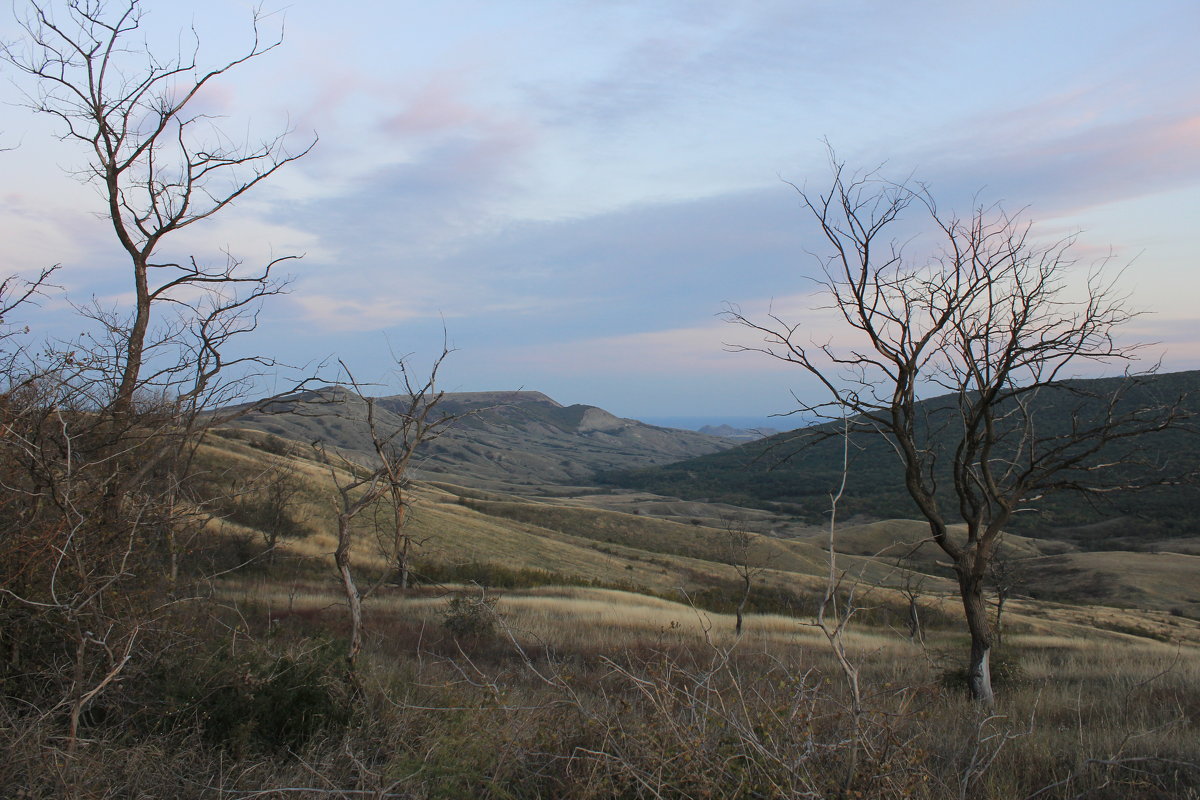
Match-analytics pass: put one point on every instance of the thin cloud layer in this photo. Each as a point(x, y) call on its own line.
point(575, 190)
point(1079, 169)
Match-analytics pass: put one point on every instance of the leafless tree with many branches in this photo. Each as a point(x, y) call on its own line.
point(990, 316)
point(101, 431)
point(740, 549)
point(161, 167)
point(421, 420)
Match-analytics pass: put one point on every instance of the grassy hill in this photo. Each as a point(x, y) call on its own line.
point(501, 439)
point(572, 644)
point(795, 472)
point(513, 541)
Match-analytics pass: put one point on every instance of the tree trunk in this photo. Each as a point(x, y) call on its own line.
point(1001, 596)
point(170, 534)
point(403, 565)
point(741, 609)
point(401, 543)
point(979, 671)
point(76, 709)
point(341, 558)
point(914, 621)
point(172, 556)
point(131, 370)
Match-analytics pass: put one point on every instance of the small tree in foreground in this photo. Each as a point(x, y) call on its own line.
point(993, 319)
point(417, 419)
point(1006, 577)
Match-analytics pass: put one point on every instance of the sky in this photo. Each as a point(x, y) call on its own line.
point(572, 192)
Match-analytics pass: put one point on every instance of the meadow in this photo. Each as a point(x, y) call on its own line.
point(552, 647)
point(579, 692)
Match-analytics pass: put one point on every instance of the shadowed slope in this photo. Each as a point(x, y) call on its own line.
point(501, 439)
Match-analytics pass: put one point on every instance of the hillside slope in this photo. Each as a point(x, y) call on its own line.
point(466, 534)
point(502, 439)
point(795, 472)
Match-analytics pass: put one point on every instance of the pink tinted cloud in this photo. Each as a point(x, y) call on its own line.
point(435, 107)
point(469, 138)
point(1125, 161)
point(714, 346)
point(1066, 167)
point(1168, 147)
point(1175, 341)
point(332, 90)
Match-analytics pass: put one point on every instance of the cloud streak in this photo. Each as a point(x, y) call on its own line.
point(1077, 170)
point(578, 188)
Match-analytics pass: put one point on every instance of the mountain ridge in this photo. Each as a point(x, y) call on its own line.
point(499, 438)
point(794, 472)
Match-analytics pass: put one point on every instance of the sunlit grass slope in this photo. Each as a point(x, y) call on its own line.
point(569, 543)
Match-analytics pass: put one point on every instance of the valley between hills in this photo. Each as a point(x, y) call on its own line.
point(554, 607)
point(559, 628)
point(522, 482)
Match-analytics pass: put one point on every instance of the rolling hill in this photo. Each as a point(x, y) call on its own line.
point(501, 439)
point(795, 472)
point(512, 486)
point(505, 540)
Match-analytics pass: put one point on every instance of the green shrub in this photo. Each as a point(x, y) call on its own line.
point(261, 698)
point(468, 617)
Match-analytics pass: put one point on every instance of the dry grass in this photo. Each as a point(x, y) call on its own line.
point(571, 617)
point(598, 693)
point(595, 693)
point(1160, 581)
point(588, 692)
point(457, 526)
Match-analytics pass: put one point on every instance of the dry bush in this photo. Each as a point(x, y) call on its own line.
point(662, 713)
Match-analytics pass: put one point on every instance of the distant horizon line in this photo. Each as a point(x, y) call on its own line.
point(695, 422)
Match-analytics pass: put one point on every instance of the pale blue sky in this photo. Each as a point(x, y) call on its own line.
point(576, 188)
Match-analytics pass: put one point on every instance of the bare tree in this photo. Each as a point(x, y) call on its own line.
point(160, 168)
point(278, 487)
point(912, 586)
point(833, 617)
point(740, 550)
point(100, 432)
point(989, 316)
point(1006, 576)
point(75, 591)
point(420, 421)
point(16, 292)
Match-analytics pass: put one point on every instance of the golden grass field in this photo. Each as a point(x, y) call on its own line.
point(577, 645)
point(585, 542)
point(601, 668)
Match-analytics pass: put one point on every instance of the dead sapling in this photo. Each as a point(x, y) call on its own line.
point(744, 551)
